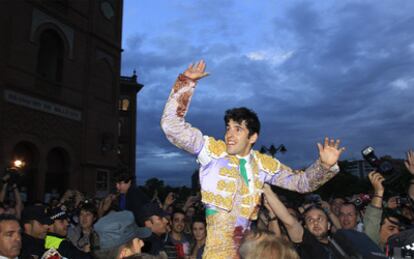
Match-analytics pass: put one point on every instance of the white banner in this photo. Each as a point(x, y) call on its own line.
point(41, 105)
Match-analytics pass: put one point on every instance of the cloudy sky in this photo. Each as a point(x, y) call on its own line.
point(310, 69)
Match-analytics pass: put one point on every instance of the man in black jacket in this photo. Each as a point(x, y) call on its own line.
point(35, 223)
point(311, 241)
point(154, 218)
point(131, 197)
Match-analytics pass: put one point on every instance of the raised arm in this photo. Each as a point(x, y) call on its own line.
point(3, 191)
point(409, 163)
point(19, 204)
point(373, 212)
point(176, 129)
point(333, 218)
point(293, 227)
point(314, 176)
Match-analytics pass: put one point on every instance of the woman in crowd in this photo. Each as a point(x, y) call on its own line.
point(198, 229)
point(80, 234)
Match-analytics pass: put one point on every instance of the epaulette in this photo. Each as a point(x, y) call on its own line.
point(216, 148)
point(267, 163)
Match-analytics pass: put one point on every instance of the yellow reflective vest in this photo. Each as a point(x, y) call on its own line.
point(53, 242)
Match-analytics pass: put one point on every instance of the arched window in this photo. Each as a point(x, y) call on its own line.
point(50, 56)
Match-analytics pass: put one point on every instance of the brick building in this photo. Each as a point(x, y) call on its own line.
point(127, 108)
point(59, 92)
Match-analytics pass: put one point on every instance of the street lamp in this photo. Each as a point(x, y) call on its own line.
point(272, 150)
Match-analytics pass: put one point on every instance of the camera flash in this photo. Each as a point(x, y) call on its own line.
point(18, 163)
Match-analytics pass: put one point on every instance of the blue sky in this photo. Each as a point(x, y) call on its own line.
point(310, 69)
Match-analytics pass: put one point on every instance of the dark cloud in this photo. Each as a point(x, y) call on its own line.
point(343, 70)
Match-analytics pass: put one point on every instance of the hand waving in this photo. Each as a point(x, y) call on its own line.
point(409, 163)
point(196, 71)
point(329, 152)
point(376, 180)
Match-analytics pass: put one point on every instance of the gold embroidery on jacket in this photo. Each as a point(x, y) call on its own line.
point(247, 200)
point(258, 184)
point(229, 172)
point(245, 212)
point(250, 205)
point(233, 161)
point(269, 164)
point(226, 186)
point(217, 200)
point(244, 190)
point(219, 243)
point(216, 147)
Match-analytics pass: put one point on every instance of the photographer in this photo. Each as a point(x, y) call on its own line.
point(15, 210)
point(406, 201)
point(71, 199)
point(379, 225)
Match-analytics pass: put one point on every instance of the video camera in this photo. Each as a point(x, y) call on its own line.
point(13, 173)
point(404, 200)
point(382, 166)
point(362, 201)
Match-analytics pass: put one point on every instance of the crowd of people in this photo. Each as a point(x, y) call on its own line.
point(125, 224)
point(131, 224)
point(235, 214)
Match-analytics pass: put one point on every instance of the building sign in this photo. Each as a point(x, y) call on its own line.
point(41, 105)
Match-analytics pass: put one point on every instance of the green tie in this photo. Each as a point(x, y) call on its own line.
point(243, 170)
